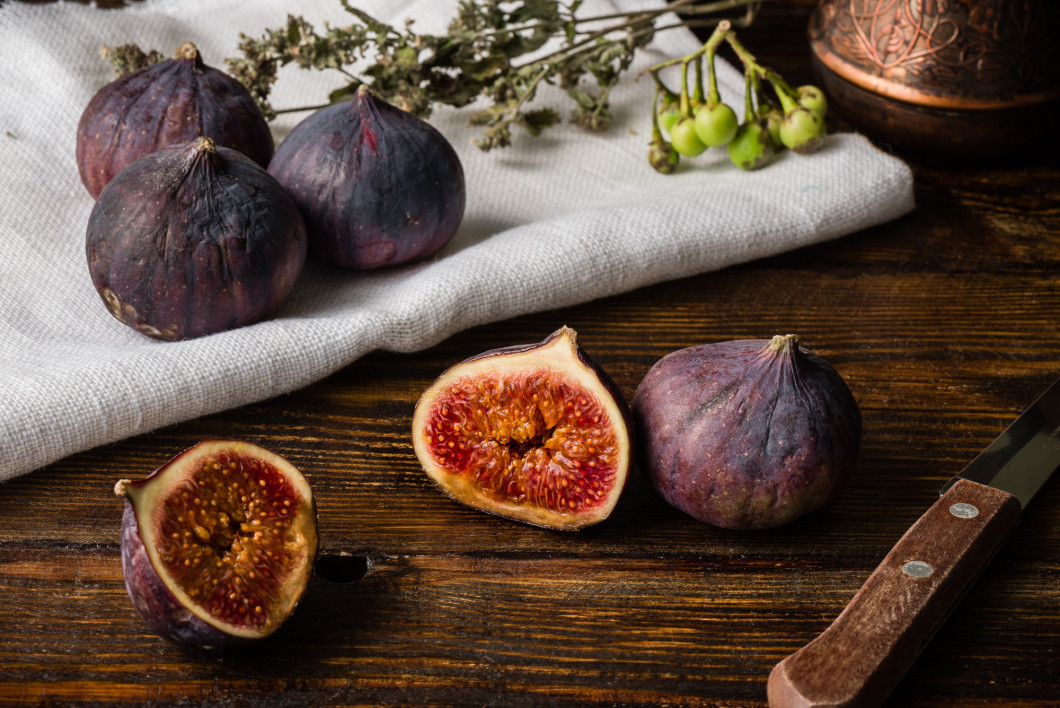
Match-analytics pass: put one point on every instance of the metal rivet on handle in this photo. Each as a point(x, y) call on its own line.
point(918, 569)
point(964, 511)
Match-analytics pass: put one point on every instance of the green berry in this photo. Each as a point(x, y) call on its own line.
point(813, 99)
point(663, 157)
point(716, 125)
point(802, 130)
point(684, 138)
point(668, 113)
point(752, 147)
point(772, 119)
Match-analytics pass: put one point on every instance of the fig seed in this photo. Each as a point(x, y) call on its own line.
point(535, 433)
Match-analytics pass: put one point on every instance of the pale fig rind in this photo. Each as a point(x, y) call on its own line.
point(174, 101)
point(192, 240)
point(166, 601)
point(555, 370)
point(377, 186)
point(746, 434)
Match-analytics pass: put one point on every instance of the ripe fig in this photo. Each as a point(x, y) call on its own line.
point(535, 433)
point(192, 240)
point(218, 544)
point(377, 185)
point(171, 102)
point(746, 434)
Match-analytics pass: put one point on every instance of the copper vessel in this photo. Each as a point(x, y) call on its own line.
point(978, 78)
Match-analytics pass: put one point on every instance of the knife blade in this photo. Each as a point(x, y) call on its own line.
point(868, 648)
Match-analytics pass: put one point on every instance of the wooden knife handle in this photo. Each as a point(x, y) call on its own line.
point(863, 654)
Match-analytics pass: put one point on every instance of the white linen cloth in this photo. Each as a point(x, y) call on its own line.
point(551, 221)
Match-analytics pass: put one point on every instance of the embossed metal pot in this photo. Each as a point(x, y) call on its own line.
point(978, 78)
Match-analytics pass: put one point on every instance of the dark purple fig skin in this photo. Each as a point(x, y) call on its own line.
point(192, 240)
point(377, 186)
point(155, 604)
point(171, 102)
point(746, 434)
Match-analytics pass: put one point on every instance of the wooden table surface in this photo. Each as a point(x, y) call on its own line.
point(945, 325)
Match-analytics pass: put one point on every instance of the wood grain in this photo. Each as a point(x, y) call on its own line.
point(945, 324)
point(866, 651)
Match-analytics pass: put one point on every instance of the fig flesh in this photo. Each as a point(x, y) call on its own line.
point(534, 433)
point(194, 239)
point(377, 185)
point(174, 101)
point(746, 434)
point(218, 544)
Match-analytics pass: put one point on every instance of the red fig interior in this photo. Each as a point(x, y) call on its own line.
point(230, 529)
point(531, 434)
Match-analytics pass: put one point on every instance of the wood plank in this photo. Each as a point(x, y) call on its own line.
point(440, 627)
point(945, 323)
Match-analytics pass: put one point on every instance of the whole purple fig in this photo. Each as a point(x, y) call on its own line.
point(171, 102)
point(746, 434)
point(194, 239)
point(377, 185)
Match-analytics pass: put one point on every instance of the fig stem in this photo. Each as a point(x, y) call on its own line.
point(205, 144)
point(186, 51)
point(782, 343)
point(121, 488)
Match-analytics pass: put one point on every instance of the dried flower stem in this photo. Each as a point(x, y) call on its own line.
point(490, 51)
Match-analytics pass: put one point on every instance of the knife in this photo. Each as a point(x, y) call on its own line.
point(864, 653)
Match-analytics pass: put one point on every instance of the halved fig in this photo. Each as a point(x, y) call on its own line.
point(218, 544)
point(535, 433)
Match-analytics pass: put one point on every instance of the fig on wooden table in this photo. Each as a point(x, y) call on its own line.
point(171, 102)
point(746, 434)
point(218, 544)
point(192, 240)
point(535, 433)
point(377, 185)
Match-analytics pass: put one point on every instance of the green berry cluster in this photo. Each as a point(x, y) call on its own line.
point(783, 117)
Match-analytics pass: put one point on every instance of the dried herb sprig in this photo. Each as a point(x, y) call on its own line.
point(127, 58)
point(493, 48)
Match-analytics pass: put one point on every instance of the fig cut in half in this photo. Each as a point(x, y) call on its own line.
point(218, 544)
point(535, 433)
